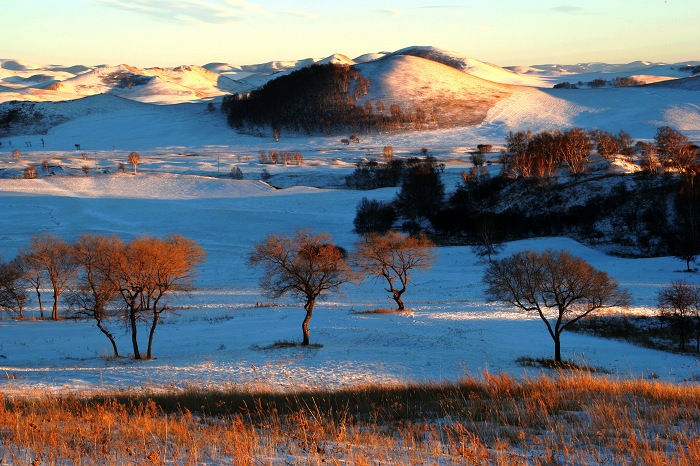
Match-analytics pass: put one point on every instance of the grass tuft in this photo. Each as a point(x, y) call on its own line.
point(545, 363)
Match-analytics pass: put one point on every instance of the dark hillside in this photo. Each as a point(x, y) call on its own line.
point(314, 99)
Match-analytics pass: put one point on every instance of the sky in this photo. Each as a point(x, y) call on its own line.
point(168, 33)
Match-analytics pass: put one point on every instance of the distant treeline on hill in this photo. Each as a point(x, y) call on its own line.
point(319, 99)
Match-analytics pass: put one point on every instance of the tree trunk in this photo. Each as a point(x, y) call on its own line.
point(397, 297)
point(54, 309)
point(110, 336)
point(557, 348)
point(132, 320)
point(683, 334)
point(309, 308)
point(41, 304)
point(156, 318)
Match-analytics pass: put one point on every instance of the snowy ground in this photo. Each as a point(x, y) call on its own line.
point(216, 336)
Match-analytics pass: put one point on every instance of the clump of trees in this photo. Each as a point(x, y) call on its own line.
point(374, 216)
point(530, 197)
point(374, 175)
point(422, 190)
point(103, 278)
point(17, 116)
point(539, 155)
point(320, 99)
point(284, 157)
point(314, 99)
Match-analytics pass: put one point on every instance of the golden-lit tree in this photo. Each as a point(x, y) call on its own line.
point(134, 159)
point(50, 255)
point(306, 265)
point(392, 257)
point(96, 258)
point(147, 272)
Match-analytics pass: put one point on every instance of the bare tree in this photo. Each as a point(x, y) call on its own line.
point(680, 302)
point(16, 154)
point(149, 270)
point(12, 294)
point(559, 287)
point(54, 256)
point(676, 151)
point(388, 153)
point(306, 265)
point(393, 257)
point(134, 159)
point(33, 273)
point(487, 242)
point(172, 266)
point(96, 259)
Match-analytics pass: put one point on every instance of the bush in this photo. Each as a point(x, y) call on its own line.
point(373, 175)
point(374, 217)
point(236, 173)
point(422, 190)
point(30, 173)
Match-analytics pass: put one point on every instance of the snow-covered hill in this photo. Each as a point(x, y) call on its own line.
point(465, 90)
point(455, 98)
point(474, 67)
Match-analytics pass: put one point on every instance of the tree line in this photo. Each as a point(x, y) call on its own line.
point(528, 196)
point(102, 278)
point(105, 278)
point(320, 99)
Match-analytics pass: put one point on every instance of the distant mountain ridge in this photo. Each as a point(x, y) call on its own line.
point(430, 88)
point(26, 81)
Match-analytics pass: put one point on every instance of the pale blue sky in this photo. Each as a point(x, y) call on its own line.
point(505, 32)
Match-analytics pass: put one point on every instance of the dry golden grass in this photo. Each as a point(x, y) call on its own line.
point(567, 418)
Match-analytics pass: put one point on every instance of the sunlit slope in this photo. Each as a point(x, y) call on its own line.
point(474, 67)
point(639, 110)
point(454, 97)
point(153, 85)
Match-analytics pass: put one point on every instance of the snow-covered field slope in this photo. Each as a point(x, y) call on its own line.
point(216, 336)
point(181, 186)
